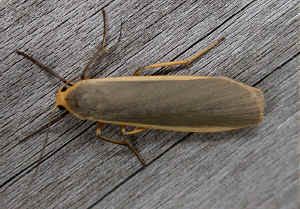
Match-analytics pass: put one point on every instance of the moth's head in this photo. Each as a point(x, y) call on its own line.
point(61, 97)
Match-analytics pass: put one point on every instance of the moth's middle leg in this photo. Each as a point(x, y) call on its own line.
point(120, 142)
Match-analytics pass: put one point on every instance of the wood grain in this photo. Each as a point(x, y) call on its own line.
point(250, 168)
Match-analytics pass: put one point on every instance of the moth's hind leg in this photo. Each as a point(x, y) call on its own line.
point(185, 62)
point(121, 142)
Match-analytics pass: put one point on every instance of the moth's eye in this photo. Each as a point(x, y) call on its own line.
point(61, 107)
point(64, 89)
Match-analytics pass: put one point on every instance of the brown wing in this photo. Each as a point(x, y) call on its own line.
point(212, 103)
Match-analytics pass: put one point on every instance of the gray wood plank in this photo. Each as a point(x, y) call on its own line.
point(80, 171)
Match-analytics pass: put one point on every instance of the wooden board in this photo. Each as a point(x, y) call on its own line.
point(250, 168)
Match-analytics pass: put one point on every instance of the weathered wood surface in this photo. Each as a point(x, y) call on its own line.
point(250, 168)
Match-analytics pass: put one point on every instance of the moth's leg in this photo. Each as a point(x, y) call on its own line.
point(135, 131)
point(100, 48)
point(121, 142)
point(104, 39)
point(185, 62)
point(43, 67)
point(116, 45)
